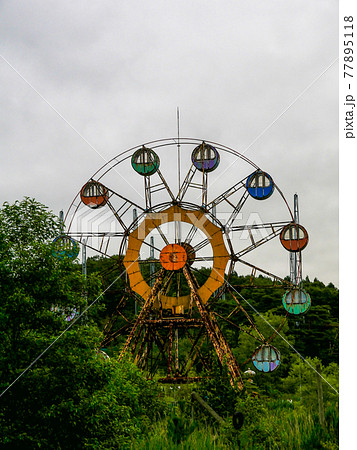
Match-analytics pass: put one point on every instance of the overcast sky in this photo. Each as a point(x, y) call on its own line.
point(83, 81)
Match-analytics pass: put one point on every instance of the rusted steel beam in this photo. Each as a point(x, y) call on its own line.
point(178, 323)
point(114, 335)
point(140, 356)
point(236, 378)
point(219, 342)
point(156, 338)
point(204, 313)
point(144, 312)
point(240, 328)
point(177, 363)
point(252, 324)
point(195, 352)
point(275, 278)
point(111, 322)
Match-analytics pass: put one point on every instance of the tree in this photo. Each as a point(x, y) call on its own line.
point(69, 397)
point(301, 382)
point(33, 282)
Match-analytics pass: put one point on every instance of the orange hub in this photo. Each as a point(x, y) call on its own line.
point(173, 257)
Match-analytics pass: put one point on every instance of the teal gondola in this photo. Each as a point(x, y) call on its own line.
point(64, 247)
point(145, 161)
point(296, 301)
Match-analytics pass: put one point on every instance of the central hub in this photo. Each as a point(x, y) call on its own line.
point(173, 257)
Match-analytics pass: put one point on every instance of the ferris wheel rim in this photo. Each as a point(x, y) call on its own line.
point(172, 141)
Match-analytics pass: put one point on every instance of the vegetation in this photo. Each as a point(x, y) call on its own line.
point(58, 391)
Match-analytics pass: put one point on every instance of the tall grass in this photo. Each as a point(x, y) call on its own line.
point(291, 429)
point(280, 427)
point(200, 438)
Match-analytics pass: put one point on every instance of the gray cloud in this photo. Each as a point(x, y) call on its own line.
point(116, 71)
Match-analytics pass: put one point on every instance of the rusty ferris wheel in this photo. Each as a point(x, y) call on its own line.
point(131, 200)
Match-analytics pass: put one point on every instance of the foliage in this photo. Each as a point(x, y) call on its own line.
point(73, 397)
point(204, 437)
point(216, 390)
point(38, 290)
point(316, 332)
point(302, 380)
point(56, 390)
point(283, 426)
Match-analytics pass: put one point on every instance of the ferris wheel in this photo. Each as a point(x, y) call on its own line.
point(167, 208)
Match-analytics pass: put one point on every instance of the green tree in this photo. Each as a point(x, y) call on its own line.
point(37, 290)
point(301, 382)
point(56, 390)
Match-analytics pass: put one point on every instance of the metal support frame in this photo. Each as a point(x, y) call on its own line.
point(187, 182)
point(219, 342)
point(148, 330)
point(150, 188)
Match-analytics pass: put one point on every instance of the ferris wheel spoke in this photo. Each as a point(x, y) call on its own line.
point(103, 240)
point(151, 246)
point(250, 320)
point(125, 206)
point(274, 231)
point(226, 319)
point(152, 277)
point(177, 232)
point(186, 183)
point(102, 246)
point(167, 283)
point(256, 269)
point(82, 235)
point(205, 258)
point(162, 235)
point(117, 216)
point(237, 208)
point(227, 194)
point(191, 234)
point(126, 202)
point(273, 226)
point(201, 245)
point(254, 245)
point(198, 271)
point(150, 188)
point(166, 185)
point(277, 330)
point(148, 261)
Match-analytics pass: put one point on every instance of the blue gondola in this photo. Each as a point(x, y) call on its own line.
point(260, 185)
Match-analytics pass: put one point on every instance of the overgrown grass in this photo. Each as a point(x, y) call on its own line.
point(278, 426)
point(194, 436)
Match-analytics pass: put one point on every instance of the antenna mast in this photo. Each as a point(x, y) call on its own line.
point(295, 257)
point(178, 148)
